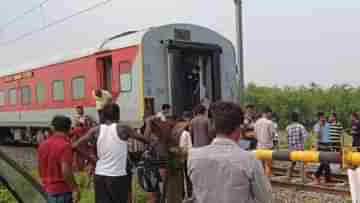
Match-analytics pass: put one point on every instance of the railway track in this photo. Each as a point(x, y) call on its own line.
point(278, 171)
point(338, 185)
point(311, 188)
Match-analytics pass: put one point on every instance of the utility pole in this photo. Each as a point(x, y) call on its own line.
point(240, 50)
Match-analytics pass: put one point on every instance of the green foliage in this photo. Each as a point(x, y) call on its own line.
point(141, 196)
point(5, 196)
point(87, 190)
point(307, 100)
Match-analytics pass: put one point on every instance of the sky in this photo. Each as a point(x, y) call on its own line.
point(285, 42)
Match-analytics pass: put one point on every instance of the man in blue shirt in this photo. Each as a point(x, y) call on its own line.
point(322, 129)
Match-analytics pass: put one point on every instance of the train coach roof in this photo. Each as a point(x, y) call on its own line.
point(123, 40)
point(128, 39)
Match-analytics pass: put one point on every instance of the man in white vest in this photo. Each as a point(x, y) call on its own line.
point(112, 181)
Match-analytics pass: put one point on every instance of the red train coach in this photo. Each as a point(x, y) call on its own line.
point(178, 64)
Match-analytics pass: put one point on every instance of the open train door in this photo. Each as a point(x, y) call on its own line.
point(23, 187)
point(105, 76)
point(193, 74)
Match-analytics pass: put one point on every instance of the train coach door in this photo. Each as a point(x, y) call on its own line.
point(193, 74)
point(209, 84)
point(105, 73)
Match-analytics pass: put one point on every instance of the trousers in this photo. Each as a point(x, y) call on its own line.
point(324, 169)
point(112, 189)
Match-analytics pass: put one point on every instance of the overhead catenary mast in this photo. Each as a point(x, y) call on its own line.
point(240, 50)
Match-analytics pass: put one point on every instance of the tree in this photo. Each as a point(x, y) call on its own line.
point(307, 100)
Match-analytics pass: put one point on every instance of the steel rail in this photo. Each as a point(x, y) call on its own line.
point(310, 188)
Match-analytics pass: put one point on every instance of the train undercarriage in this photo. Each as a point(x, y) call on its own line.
point(23, 136)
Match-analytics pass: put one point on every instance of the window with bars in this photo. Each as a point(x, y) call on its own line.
point(12, 96)
point(58, 90)
point(40, 93)
point(26, 95)
point(78, 88)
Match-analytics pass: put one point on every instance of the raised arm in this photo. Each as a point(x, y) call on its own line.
point(128, 132)
point(90, 135)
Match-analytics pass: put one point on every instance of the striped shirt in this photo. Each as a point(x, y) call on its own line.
point(335, 133)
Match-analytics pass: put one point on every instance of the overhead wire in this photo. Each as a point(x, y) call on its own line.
point(22, 16)
point(56, 22)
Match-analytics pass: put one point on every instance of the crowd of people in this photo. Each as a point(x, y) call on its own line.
point(205, 153)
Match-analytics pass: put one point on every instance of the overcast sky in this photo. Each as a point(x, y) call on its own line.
point(286, 42)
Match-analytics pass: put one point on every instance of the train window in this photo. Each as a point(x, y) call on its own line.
point(78, 87)
point(2, 98)
point(58, 90)
point(26, 95)
point(12, 96)
point(125, 77)
point(40, 93)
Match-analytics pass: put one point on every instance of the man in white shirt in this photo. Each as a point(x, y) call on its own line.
point(264, 129)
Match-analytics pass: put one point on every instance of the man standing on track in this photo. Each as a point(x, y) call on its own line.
point(112, 180)
point(222, 172)
point(297, 135)
point(264, 130)
point(55, 164)
point(102, 97)
point(336, 132)
point(322, 130)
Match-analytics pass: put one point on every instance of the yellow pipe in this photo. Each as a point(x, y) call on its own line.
point(352, 158)
point(305, 156)
point(264, 154)
point(349, 158)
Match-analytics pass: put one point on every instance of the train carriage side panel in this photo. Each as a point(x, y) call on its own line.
point(40, 114)
point(5, 88)
point(128, 76)
point(127, 66)
point(67, 72)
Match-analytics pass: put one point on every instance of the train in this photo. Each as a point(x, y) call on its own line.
point(176, 64)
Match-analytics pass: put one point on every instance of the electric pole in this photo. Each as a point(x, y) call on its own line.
point(240, 50)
